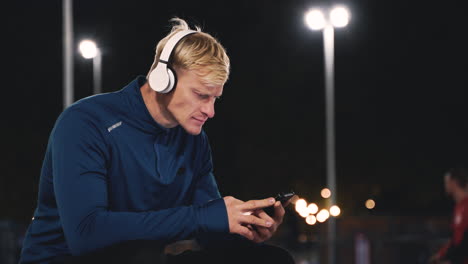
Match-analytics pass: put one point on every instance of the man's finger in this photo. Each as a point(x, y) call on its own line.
point(286, 203)
point(292, 200)
point(264, 233)
point(253, 220)
point(264, 215)
point(261, 234)
point(246, 232)
point(257, 204)
point(279, 212)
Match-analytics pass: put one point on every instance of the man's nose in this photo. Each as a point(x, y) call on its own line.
point(208, 109)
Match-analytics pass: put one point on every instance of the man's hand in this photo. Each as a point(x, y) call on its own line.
point(262, 234)
point(241, 218)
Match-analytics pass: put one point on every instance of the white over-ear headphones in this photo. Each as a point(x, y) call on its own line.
point(162, 78)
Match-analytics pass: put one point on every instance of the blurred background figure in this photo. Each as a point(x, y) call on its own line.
point(456, 250)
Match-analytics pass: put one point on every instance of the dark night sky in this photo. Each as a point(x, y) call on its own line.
point(400, 94)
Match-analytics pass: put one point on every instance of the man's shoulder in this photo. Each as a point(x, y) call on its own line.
point(99, 101)
point(95, 105)
point(97, 110)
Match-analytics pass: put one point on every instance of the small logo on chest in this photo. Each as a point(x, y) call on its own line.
point(116, 125)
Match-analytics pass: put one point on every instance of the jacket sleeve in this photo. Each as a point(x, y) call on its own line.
point(79, 157)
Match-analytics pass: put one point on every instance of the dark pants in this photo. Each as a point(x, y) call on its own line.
point(257, 254)
point(248, 253)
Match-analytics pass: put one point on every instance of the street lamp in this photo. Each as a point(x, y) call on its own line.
point(89, 50)
point(67, 16)
point(317, 19)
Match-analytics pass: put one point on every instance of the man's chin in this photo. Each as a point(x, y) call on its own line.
point(193, 130)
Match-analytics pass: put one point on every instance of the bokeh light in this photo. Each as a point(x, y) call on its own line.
point(326, 193)
point(300, 204)
point(370, 204)
point(335, 210)
point(311, 220)
point(312, 208)
point(323, 215)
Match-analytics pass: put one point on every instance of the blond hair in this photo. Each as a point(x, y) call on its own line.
point(200, 52)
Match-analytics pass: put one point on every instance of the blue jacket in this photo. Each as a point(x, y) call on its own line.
point(111, 174)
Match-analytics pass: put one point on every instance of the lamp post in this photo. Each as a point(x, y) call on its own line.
point(89, 50)
point(67, 16)
point(316, 19)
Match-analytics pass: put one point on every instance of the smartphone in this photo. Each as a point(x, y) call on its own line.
point(283, 197)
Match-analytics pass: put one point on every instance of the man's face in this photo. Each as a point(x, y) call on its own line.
point(192, 102)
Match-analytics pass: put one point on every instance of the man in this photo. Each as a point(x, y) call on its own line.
point(456, 250)
point(127, 173)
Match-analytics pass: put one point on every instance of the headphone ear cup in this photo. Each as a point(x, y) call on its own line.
point(172, 80)
point(159, 79)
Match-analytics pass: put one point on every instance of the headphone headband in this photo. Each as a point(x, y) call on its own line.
point(162, 79)
point(170, 44)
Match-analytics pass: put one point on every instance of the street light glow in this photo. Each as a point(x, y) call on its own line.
point(339, 16)
point(315, 19)
point(88, 49)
